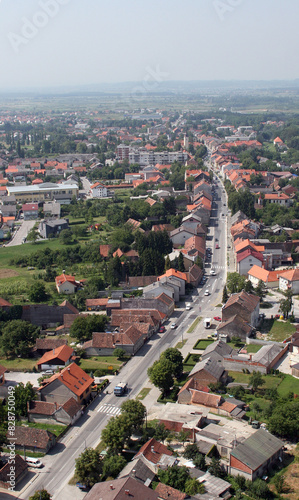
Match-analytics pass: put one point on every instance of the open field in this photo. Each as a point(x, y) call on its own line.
point(277, 330)
point(101, 363)
point(18, 364)
point(283, 385)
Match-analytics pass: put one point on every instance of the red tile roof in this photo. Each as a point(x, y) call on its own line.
point(4, 303)
point(63, 353)
point(152, 450)
point(73, 377)
point(63, 278)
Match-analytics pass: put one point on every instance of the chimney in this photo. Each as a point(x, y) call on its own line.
point(127, 492)
point(133, 472)
point(152, 449)
point(111, 487)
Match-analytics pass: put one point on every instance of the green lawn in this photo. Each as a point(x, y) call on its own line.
point(277, 330)
point(100, 363)
point(21, 364)
point(252, 348)
point(55, 429)
point(288, 384)
point(271, 381)
point(202, 344)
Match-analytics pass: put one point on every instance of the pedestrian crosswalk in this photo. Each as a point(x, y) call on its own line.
point(109, 409)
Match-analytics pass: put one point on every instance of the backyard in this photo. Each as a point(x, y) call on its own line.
point(277, 330)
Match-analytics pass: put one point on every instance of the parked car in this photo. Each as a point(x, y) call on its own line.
point(217, 246)
point(162, 329)
point(207, 292)
point(217, 318)
point(173, 326)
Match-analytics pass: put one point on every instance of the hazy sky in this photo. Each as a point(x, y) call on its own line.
point(74, 42)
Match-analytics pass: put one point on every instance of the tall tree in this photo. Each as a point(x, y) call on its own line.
point(175, 357)
point(88, 467)
point(160, 374)
point(256, 380)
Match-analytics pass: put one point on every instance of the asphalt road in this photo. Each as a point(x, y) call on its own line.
point(60, 462)
point(21, 233)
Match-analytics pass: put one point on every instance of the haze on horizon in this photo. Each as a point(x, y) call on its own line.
point(52, 43)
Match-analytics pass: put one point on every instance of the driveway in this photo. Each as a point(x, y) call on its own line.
point(23, 377)
point(21, 233)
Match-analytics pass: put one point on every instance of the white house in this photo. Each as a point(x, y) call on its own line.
point(289, 280)
point(98, 190)
point(247, 259)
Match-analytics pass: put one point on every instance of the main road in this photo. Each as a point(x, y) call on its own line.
point(60, 462)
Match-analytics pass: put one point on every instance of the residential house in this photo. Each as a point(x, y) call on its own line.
point(234, 326)
point(32, 439)
point(96, 304)
point(173, 274)
point(244, 304)
point(156, 288)
point(157, 454)
point(289, 280)
point(138, 470)
point(126, 487)
point(71, 382)
point(48, 344)
point(104, 251)
point(215, 487)
point(51, 413)
point(279, 198)
point(45, 315)
point(30, 211)
point(247, 259)
point(5, 305)
point(207, 372)
point(166, 492)
point(66, 284)
point(217, 351)
point(180, 235)
point(256, 455)
point(269, 278)
point(56, 358)
point(20, 469)
point(51, 209)
point(104, 343)
point(52, 227)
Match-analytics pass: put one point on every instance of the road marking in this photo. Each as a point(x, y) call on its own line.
point(109, 409)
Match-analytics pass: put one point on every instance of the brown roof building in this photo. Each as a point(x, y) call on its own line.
point(121, 489)
point(36, 440)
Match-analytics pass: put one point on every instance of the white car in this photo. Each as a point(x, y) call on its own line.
point(173, 326)
point(207, 292)
point(212, 272)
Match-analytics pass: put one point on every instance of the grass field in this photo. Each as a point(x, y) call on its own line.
point(55, 429)
point(19, 364)
point(277, 330)
point(101, 363)
point(202, 344)
point(283, 385)
point(252, 348)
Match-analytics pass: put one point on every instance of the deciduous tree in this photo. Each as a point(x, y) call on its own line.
point(88, 467)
